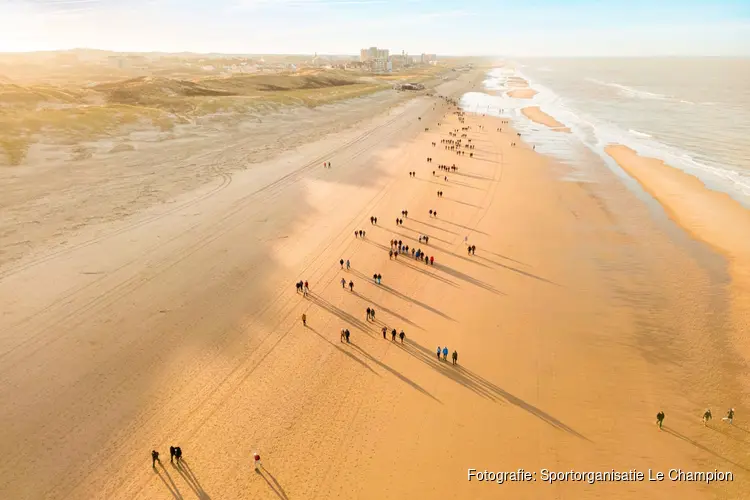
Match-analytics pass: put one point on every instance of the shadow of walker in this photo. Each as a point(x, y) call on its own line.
point(272, 482)
point(187, 474)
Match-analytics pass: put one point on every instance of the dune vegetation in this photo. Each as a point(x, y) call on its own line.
point(84, 112)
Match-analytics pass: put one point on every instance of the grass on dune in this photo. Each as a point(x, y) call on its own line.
point(75, 115)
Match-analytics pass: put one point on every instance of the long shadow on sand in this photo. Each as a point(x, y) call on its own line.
point(453, 224)
point(433, 226)
point(448, 198)
point(411, 263)
point(272, 483)
point(389, 311)
point(473, 176)
point(415, 240)
point(340, 313)
point(343, 351)
point(702, 447)
point(168, 482)
point(406, 298)
point(480, 385)
point(519, 271)
point(395, 373)
point(502, 257)
point(186, 472)
point(468, 279)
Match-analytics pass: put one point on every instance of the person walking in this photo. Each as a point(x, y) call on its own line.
point(707, 416)
point(307, 288)
point(445, 353)
point(385, 331)
point(455, 357)
point(343, 334)
point(372, 313)
point(730, 416)
point(348, 264)
point(256, 461)
point(342, 263)
point(368, 314)
point(171, 454)
point(401, 336)
point(438, 353)
point(351, 286)
point(660, 419)
point(380, 277)
point(343, 283)
point(390, 254)
point(393, 335)
point(304, 319)
point(154, 458)
point(432, 260)
point(178, 454)
point(347, 335)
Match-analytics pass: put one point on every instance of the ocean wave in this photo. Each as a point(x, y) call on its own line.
point(630, 91)
point(639, 134)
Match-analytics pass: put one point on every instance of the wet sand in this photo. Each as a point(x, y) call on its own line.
point(181, 326)
point(522, 93)
point(535, 114)
point(710, 216)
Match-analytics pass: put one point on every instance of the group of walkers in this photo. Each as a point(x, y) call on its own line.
point(359, 233)
point(401, 335)
point(373, 220)
point(326, 164)
point(471, 249)
point(175, 454)
point(304, 287)
point(448, 168)
point(348, 264)
point(444, 352)
point(440, 194)
point(707, 416)
point(412, 174)
point(377, 278)
point(433, 213)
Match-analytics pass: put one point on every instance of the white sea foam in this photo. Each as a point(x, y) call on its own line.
point(639, 134)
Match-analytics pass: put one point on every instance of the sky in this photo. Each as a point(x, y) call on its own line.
point(520, 28)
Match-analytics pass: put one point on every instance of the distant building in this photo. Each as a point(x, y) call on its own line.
point(428, 58)
point(374, 58)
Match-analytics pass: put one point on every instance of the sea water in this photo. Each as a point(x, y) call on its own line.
point(693, 113)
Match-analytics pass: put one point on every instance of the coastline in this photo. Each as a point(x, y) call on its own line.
point(535, 114)
point(191, 321)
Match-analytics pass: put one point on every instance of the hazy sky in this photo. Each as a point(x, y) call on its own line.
point(481, 27)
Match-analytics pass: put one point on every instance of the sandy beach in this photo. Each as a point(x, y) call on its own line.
point(535, 114)
point(522, 93)
point(179, 324)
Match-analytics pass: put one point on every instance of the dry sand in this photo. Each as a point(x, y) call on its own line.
point(535, 114)
point(522, 93)
point(180, 325)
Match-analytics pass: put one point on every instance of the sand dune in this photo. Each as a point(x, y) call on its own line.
point(522, 93)
point(180, 325)
point(535, 114)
